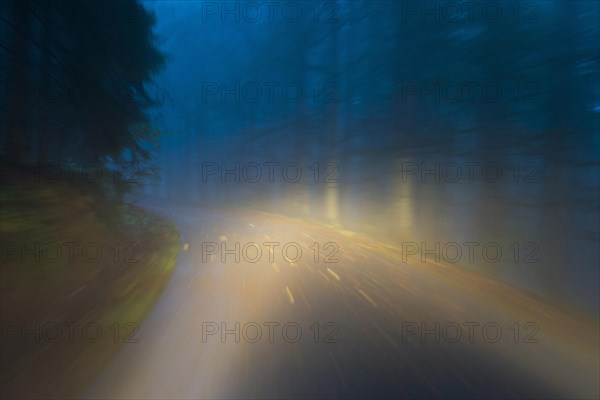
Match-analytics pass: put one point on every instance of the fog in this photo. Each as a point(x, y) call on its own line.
point(438, 124)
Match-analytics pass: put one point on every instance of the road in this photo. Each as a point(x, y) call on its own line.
point(364, 326)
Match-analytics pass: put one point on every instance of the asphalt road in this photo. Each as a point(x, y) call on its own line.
point(356, 321)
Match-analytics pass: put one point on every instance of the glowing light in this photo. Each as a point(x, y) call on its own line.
point(289, 294)
point(336, 276)
point(368, 298)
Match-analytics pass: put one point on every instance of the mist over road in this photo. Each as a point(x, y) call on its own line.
point(299, 199)
point(281, 323)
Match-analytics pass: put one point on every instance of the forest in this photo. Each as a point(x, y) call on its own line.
point(424, 162)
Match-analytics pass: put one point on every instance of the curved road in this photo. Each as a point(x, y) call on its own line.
point(364, 326)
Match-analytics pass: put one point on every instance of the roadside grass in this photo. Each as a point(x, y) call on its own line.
point(71, 257)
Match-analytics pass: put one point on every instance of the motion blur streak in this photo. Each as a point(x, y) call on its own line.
point(299, 199)
point(369, 302)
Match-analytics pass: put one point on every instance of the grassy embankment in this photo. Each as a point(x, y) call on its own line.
point(53, 281)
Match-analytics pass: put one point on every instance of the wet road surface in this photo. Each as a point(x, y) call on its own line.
point(343, 317)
